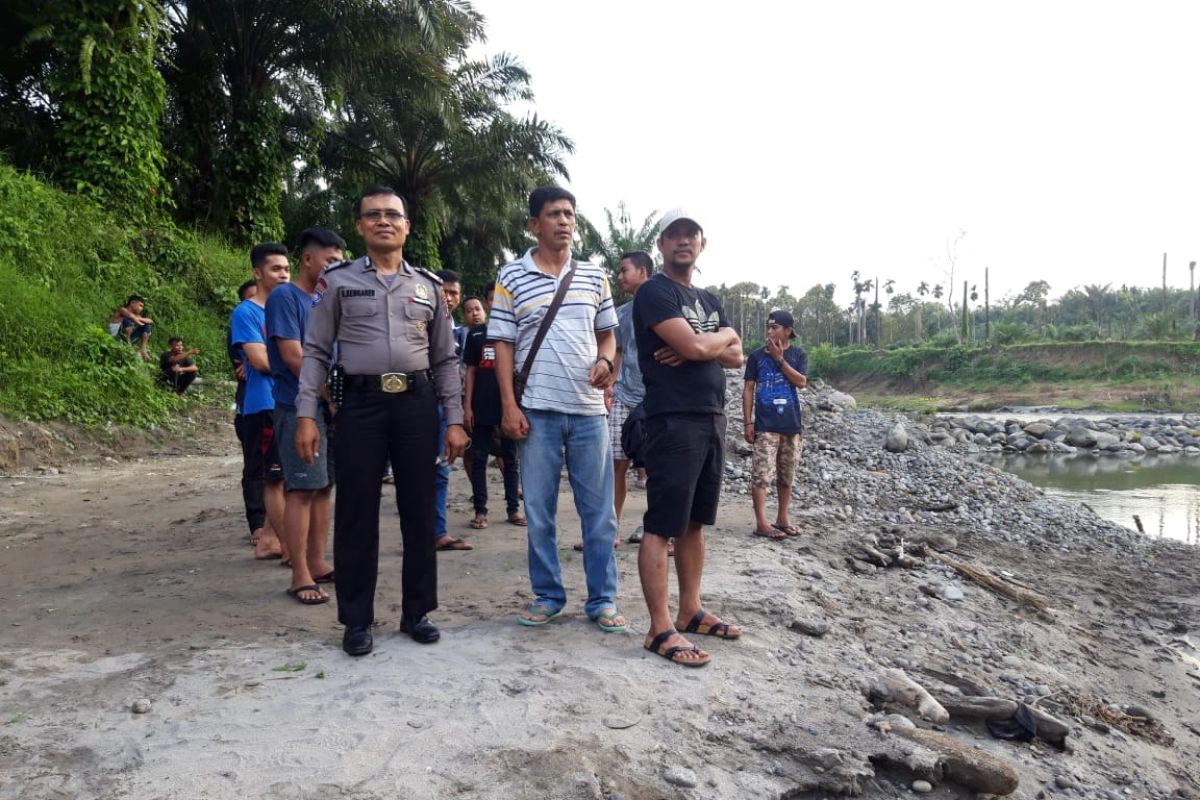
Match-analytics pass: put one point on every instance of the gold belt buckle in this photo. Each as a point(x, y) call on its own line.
point(394, 382)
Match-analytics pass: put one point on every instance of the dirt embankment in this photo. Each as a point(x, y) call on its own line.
point(24, 446)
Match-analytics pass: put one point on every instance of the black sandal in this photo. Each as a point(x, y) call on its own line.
point(720, 630)
point(671, 652)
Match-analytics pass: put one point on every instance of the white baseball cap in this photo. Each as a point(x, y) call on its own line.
point(673, 216)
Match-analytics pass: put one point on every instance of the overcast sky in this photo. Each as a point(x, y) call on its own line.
point(814, 139)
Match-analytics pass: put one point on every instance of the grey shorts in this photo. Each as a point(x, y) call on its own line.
point(298, 475)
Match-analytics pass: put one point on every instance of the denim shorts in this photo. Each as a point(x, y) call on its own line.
point(298, 475)
point(685, 464)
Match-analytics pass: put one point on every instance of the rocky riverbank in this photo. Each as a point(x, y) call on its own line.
point(876, 468)
point(1121, 437)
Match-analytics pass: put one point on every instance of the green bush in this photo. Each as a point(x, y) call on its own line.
point(65, 265)
point(1008, 332)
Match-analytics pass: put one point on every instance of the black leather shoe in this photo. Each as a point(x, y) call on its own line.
point(420, 629)
point(357, 641)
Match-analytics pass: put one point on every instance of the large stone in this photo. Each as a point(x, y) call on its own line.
point(1081, 437)
point(682, 777)
point(838, 401)
point(1106, 440)
point(1037, 429)
point(1149, 442)
point(897, 439)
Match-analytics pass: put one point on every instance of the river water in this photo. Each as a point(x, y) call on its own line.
point(1163, 491)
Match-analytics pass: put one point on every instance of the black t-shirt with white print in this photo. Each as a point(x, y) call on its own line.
point(480, 352)
point(696, 387)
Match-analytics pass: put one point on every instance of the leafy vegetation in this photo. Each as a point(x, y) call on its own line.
point(929, 316)
point(245, 121)
point(66, 263)
point(1013, 365)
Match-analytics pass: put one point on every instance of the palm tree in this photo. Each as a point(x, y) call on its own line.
point(464, 163)
point(274, 66)
point(622, 236)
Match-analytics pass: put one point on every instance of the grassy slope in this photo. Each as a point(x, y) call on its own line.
point(64, 265)
point(1125, 376)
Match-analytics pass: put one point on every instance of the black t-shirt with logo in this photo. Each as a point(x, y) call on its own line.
point(696, 387)
point(480, 352)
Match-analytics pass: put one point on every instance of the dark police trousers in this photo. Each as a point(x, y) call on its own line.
point(373, 426)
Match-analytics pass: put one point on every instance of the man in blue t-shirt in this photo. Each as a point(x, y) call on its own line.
point(247, 332)
point(771, 412)
point(309, 487)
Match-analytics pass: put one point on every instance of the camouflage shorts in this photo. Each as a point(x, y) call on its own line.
point(774, 459)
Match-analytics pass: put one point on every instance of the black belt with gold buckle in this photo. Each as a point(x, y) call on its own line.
point(389, 382)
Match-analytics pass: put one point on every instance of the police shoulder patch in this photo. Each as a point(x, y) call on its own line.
point(436, 280)
point(319, 290)
point(338, 265)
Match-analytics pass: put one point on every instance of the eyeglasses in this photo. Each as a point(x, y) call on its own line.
point(375, 214)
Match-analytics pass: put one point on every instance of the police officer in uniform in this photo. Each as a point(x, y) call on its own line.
point(396, 348)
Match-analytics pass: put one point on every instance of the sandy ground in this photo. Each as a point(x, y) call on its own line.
point(134, 580)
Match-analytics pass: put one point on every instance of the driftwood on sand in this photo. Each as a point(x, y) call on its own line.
point(987, 579)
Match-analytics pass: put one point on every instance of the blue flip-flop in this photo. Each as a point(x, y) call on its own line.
point(539, 610)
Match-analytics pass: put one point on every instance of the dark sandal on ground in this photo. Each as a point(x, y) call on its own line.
point(326, 578)
point(308, 601)
point(718, 629)
point(454, 544)
point(671, 653)
point(517, 519)
point(773, 535)
point(479, 523)
point(786, 530)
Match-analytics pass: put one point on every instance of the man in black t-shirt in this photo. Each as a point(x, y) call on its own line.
point(176, 368)
point(684, 343)
point(771, 413)
point(481, 416)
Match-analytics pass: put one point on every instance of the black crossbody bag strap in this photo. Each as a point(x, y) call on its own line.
point(543, 329)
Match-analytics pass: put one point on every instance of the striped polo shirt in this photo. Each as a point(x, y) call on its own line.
point(559, 378)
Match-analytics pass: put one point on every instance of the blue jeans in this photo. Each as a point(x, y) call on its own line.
point(441, 481)
point(584, 442)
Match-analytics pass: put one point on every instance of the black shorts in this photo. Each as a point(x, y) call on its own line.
point(685, 463)
point(260, 451)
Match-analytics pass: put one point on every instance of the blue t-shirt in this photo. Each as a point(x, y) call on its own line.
point(248, 325)
point(287, 316)
point(776, 400)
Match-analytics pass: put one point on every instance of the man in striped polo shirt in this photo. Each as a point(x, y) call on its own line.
point(561, 414)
